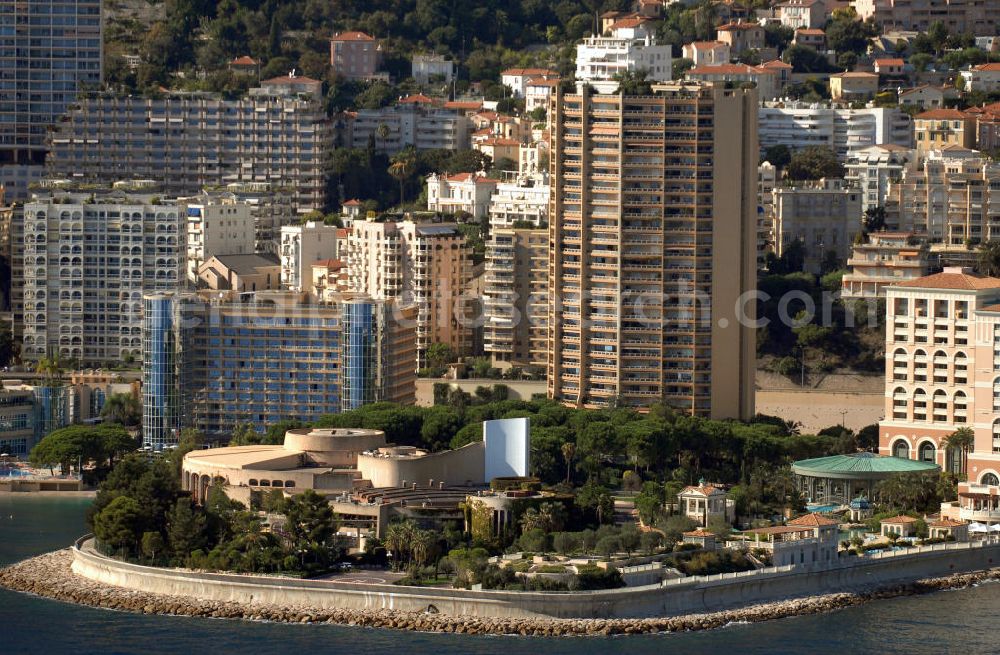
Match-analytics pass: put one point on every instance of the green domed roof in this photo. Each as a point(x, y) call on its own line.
point(860, 465)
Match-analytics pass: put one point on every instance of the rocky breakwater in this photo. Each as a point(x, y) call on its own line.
point(50, 576)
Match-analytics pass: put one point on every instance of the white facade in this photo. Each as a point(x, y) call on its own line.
point(86, 267)
point(526, 199)
point(517, 79)
point(799, 125)
point(872, 168)
point(424, 67)
point(508, 448)
point(984, 78)
point(301, 246)
point(463, 192)
point(599, 59)
point(216, 228)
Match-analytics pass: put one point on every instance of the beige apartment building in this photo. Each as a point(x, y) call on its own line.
point(952, 195)
point(824, 217)
point(886, 258)
point(427, 265)
point(942, 374)
point(355, 55)
point(959, 16)
point(652, 243)
point(515, 300)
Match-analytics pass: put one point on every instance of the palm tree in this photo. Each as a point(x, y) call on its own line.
point(401, 168)
point(122, 408)
point(988, 258)
point(961, 440)
point(382, 132)
point(568, 452)
point(52, 368)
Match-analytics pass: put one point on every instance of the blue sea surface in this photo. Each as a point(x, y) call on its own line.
point(962, 621)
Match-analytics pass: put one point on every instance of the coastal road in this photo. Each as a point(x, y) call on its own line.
point(363, 576)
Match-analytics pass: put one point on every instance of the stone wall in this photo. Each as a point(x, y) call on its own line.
point(674, 597)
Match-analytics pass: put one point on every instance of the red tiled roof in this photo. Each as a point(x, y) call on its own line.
point(945, 523)
point(888, 62)
point(775, 63)
point(632, 21)
point(288, 79)
point(463, 104)
point(499, 141)
point(704, 490)
point(810, 31)
point(707, 45)
point(329, 264)
point(244, 61)
point(523, 72)
point(418, 98)
point(343, 233)
point(538, 81)
point(698, 533)
point(858, 75)
point(812, 521)
point(352, 36)
point(938, 114)
point(988, 68)
point(354, 202)
point(725, 69)
point(728, 27)
point(952, 281)
point(899, 519)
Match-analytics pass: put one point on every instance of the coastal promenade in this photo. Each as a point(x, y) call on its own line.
point(672, 598)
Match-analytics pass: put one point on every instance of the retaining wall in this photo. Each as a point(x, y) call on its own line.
point(673, 597)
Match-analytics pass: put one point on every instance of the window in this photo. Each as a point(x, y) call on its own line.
point(990, 479)
point(901, 449)
point(926, 452)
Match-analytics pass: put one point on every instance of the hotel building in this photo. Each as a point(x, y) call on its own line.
point(652, 241)
point(212, 362)
point(942, 374)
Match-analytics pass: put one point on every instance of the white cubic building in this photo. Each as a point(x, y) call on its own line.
point(301, 246)
point(523, 200)
point(508, 448)
point(799, 125)
point(462, 192)
point(216, 227)
point(600, 58)
point(426, 67)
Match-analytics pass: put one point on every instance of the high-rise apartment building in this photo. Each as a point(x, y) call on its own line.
point(49, 50)
point(652, 242)
point(186, 142)
point(425, 265)
point(87, 261)
point(213, 361)
point(515, 297)
point(871, 169)
point(416, 121)
point(976, 17)
point(950, 197)
point(799, 125)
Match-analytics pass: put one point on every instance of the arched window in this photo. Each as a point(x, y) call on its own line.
point(920, 366)
point(899, 365)
point(919, 405)
point(990, 479)
point(961, 368)
point(940, 406)
point(940, 367)
point(899, 402)
point(927, 452)
point(996, 395)
point(959, 407)
point(901, 449)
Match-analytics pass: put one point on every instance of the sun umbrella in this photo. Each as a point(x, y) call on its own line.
point(978, 527)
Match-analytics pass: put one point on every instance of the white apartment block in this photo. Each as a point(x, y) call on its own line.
point(424, 265)
point(951, 197)
point(270, 207)
point(825, 217)
point(886, 258)
point(538, 92)
point(871, 169)
point(802, 13)
point(799, 125)
point(422, 125)
point(468, 193)
point(87, 263)
point(984, 78)
point(525, 200)
point(188, 141)
point(300, 247)
point(215, 226)
point(517, 79)
point(600, 58)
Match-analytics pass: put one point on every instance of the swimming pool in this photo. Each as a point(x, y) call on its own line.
point(14, 473)
point(822, 509)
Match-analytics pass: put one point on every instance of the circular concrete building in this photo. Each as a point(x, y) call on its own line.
point(840, 478)
point(335, 447)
